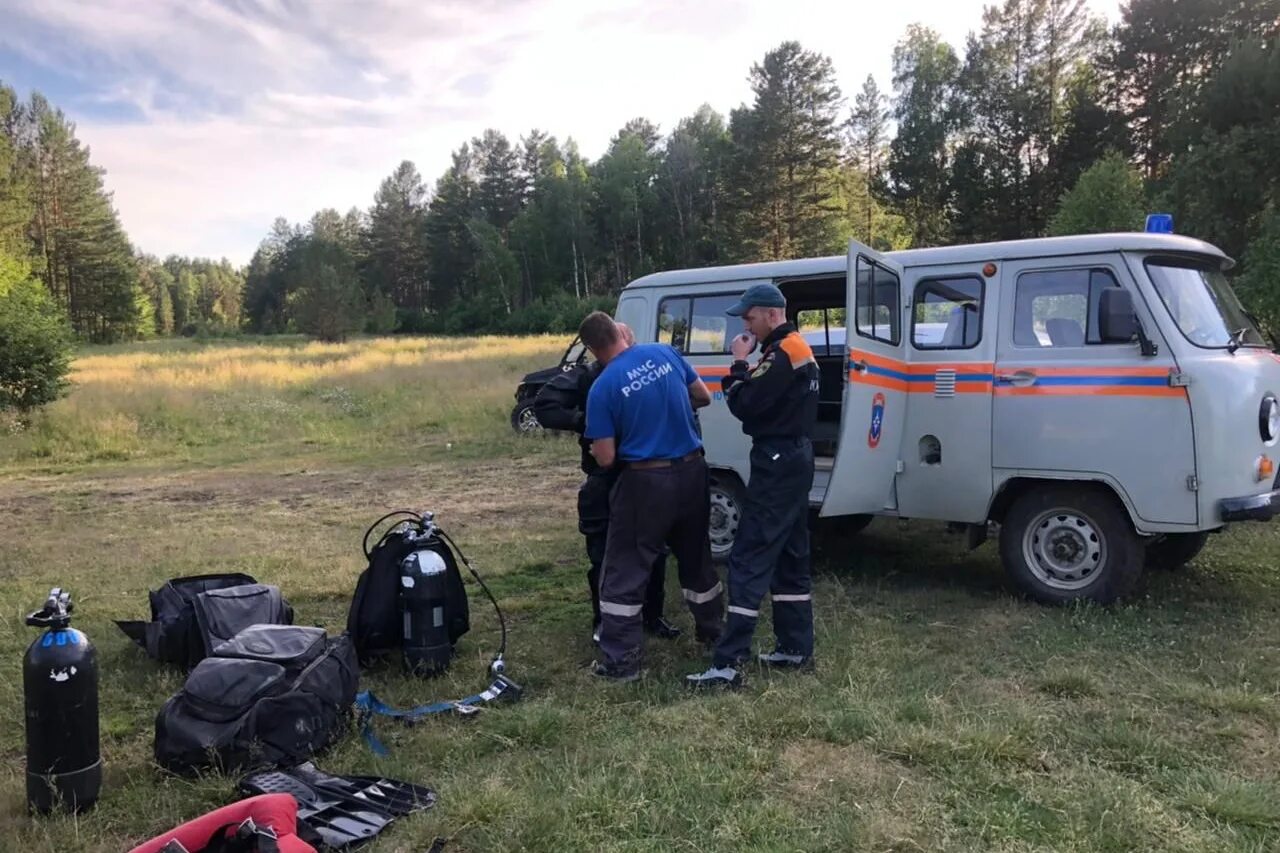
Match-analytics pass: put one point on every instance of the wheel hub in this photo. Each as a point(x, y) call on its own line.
point(529, 421)
point(724, 520)
point(1064, 549)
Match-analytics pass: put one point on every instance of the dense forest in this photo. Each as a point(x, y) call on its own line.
point(1045, 121)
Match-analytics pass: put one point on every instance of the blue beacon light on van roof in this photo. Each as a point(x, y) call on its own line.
point(1160, 223)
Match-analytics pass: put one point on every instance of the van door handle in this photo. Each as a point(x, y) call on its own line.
point(1021, 378)
point(858, 365)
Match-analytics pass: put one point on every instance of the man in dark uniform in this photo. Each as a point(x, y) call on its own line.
point(777, 402)
point(640, 419)
point(562, 404)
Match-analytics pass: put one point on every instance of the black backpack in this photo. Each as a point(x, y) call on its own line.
point(272, 695)
point(192, 615)
point(374, 620)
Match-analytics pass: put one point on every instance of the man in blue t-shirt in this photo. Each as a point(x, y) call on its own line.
point(640, 419)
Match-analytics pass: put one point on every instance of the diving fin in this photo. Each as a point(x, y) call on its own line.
point(343, 810)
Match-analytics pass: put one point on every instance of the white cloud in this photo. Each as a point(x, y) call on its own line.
point(283, 109)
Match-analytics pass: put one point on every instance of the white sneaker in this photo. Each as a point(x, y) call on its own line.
point(725, 676)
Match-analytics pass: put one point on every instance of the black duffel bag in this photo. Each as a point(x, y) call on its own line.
point(191, 615)
point(272, 695)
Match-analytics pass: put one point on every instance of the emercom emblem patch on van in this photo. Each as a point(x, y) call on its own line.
point(877, 420)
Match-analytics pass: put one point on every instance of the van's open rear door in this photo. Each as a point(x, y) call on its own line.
point(874, 408)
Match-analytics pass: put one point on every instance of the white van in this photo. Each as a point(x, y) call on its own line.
point(1103, 399)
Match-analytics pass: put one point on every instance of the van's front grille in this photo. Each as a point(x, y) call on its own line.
point(944, 383)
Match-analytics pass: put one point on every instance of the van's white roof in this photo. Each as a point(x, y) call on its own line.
point(1081, 244)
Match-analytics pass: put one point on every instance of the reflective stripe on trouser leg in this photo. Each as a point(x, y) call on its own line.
point(792, 587)
point(776, 503)
point(639, 517)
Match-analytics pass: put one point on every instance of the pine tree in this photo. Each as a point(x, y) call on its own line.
point(787, 153)
point(868, 135)
point(450, 248)
point(15, 178)
point(691, 186)
point(625, 210)
point(88, 263)
point(1163, 52)
point(925, 72)
point(396, 241)
point(501, 189)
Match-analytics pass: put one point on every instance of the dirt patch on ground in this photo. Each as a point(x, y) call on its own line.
point(809, 769)
point(1257, 749)
point(884, 798)
point(493, 493)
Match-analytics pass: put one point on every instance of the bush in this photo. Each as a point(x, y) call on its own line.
point(382, 319)
point(35, 342)
point(1107, 197)
point(329, 306)
point(1259, 286)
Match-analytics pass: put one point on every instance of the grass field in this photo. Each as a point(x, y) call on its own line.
point(945, 713)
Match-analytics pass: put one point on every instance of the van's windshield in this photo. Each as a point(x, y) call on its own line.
point(1203, 304)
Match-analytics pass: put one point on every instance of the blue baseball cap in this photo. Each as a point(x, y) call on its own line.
point(758, 296)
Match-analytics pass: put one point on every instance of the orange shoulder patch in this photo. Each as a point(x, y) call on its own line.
point(797, 349)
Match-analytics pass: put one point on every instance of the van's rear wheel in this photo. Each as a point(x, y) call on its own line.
point(1063, 543)
point(726, 513)
point(1175, 550)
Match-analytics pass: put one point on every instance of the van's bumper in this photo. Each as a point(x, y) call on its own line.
point(1262, 507)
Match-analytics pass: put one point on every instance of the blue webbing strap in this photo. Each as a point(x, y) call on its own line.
point(368, 705)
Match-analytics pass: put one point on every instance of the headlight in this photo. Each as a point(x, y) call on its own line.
point(1269, 418)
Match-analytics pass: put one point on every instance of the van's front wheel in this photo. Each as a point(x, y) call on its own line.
point(1063, 543)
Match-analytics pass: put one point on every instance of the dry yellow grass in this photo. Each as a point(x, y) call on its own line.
point(194, 400)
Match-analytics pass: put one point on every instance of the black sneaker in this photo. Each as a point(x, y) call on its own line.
point(662, 629)
point(715, 678)
point(616, 673)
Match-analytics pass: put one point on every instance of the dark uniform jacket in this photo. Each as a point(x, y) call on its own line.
point(778, 398)
point(562, 404)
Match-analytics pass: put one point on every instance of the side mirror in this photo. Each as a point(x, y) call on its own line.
point(1117, 319)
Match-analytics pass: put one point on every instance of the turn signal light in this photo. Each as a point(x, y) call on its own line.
point(1266, 468)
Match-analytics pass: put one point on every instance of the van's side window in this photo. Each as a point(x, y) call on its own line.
point(947, 313)
point(877, 299)
point(698, 325)
point(1059, 308)
point(823, 329)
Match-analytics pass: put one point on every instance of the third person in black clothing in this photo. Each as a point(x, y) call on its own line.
point(562, 405)
point(777, 402)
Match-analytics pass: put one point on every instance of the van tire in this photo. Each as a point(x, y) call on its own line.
point(1175, 550)
point(1064, 543)
point(727, 501)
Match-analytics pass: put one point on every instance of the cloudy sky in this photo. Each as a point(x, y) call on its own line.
point(212, 118)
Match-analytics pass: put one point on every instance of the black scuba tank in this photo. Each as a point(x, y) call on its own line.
point(60, 686)
point(424, 606)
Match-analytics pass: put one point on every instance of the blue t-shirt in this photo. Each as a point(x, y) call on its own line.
point(641, 399)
